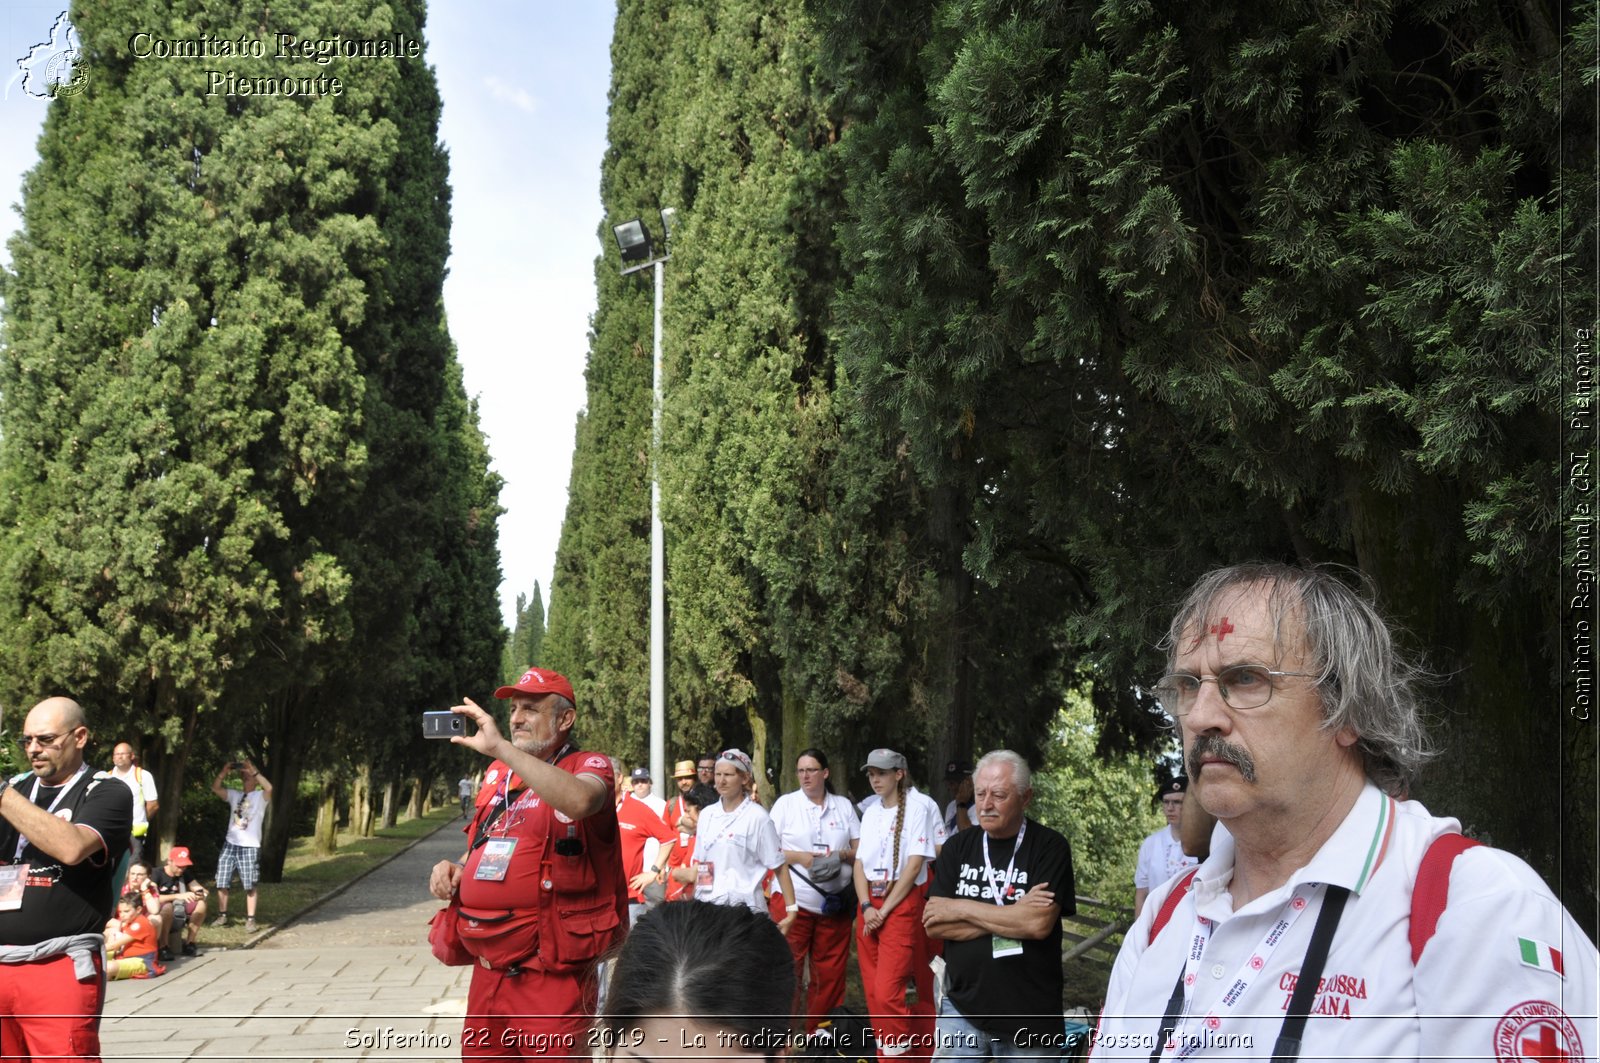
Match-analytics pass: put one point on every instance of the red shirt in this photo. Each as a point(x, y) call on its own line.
point(144, 936)
point(638, 821)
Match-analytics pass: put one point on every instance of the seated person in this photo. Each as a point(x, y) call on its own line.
point(143, 890)
point(183, 901)
point(131, 949)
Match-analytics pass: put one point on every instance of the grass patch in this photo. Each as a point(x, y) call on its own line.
point(307, 875)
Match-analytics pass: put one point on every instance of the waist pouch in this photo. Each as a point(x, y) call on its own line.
point(444, 937)
point(497, 937)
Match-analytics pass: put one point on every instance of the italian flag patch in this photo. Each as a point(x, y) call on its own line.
point(1538, 954)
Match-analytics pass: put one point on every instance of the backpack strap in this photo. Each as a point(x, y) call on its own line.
point(1170, 904)
point(1431, 891)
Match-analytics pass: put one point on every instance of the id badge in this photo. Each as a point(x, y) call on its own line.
point(820, 849)
point(1006, 947)
point(496, 859)
point(704, 872)
point(13, 880)
point(879, 886)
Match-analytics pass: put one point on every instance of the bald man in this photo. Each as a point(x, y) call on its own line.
point(125, 767)
point(63, 829)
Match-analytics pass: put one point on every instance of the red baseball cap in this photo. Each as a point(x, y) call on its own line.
point(179, 855)
point(540, 681)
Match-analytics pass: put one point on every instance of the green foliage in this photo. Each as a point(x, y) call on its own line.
point(1102, 805)
point(246, 503)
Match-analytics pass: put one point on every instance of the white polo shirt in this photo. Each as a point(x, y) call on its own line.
point(1160, 857)
point(807, 827)
point(920, 835)
point(1486, 987)
point(741, 846)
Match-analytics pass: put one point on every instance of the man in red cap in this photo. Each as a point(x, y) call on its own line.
point(541, 887)
point(183, 899)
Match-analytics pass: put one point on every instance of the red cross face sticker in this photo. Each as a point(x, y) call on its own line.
point(1222, 630)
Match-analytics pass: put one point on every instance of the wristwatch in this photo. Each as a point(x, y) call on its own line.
point(866, 905)
point(658, 870)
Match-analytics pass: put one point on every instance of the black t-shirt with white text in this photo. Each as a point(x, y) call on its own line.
point(59, 900)
point(1009, 995)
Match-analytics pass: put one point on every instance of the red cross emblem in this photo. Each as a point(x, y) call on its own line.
point(1222, 630)
point(1536, 1030)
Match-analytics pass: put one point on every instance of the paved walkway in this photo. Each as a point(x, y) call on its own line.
point(350, 980)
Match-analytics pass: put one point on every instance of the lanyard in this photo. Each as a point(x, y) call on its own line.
point(726, 833)
point(1178, 1046)
point(22, 839)
point(1011, 868)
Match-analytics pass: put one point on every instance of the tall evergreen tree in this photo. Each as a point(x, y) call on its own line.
point(227, 393)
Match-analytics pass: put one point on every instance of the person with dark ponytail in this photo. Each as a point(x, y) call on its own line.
point(818, 830)
point(897, 841)
point(704, 981)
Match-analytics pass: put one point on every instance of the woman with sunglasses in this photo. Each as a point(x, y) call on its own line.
point(736, 843)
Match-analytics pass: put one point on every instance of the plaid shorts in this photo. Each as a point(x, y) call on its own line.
point(244, 857)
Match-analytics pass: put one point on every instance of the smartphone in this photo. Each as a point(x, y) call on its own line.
point(441, 723)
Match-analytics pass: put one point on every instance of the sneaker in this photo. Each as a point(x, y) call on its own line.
point(249, 924)
point(164, 954)
point(189, 949)
point(222, 919)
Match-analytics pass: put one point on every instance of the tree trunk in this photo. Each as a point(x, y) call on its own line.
point(361, 820)
point(285, 745)
point(415, 811)
point(391, 802)
point(325, 839)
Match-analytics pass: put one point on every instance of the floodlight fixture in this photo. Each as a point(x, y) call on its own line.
point(633, 240)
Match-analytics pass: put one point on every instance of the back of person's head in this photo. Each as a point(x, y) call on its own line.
point(721, 966)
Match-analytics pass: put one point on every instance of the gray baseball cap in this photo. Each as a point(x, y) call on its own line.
point(885, 760)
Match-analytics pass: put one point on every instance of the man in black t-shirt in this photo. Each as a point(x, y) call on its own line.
point(1000, 891)
point(183, 901)
point(63, 829)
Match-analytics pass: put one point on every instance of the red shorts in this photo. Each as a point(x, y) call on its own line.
point(531, 1015)
point(45, 1012)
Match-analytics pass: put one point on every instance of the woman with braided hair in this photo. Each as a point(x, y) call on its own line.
point(897, 841)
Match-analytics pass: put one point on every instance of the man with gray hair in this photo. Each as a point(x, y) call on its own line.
point(1333, 918)
point(1000, 890)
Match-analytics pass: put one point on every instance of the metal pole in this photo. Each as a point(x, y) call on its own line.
point(658, 554)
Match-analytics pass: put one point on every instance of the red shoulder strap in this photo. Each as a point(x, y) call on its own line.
point(1432, 889)
point(1170, 904)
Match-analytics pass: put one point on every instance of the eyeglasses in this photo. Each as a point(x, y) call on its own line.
point(807, 771)
point(1243, 686)
point(44, 741)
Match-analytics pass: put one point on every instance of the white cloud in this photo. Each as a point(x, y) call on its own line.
point(516, 97)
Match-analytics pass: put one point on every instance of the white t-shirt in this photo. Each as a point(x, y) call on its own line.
point(805, 826)
point(143, 785)
point(1486, 986)
point(920, 835)
point(245, 814)
point(741, 847)
point(1160, 857)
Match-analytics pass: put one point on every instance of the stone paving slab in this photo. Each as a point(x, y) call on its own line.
point(351, 980)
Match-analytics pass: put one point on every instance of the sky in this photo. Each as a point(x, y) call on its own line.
point(524, 89)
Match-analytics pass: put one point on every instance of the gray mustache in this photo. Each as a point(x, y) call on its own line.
point(1214, 746)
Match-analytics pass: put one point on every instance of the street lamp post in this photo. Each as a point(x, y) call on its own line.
point(638, 252)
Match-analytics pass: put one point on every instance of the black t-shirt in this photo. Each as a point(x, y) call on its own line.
point(1010, 995)
point(168, 884)
point(58, 900)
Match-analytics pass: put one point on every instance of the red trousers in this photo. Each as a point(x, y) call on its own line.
point(826, 940)
point(896, 955)
point(46, 1013)
point(531, 1015)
